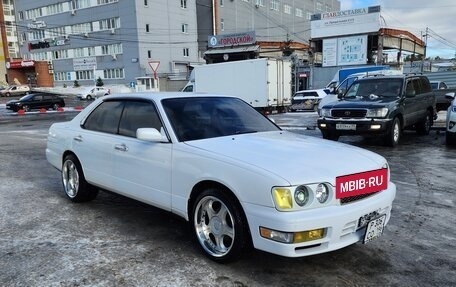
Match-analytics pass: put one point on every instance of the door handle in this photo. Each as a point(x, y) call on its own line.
point(121, 147)
point(78, 138)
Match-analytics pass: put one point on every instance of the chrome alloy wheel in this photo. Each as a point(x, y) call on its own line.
point(396, 131)
point(214, 226)
point(70, 178)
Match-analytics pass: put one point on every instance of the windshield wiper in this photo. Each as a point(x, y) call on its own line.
point(245, 132)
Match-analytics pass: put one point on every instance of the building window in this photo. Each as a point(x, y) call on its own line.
point(84, 75)
point(147, 28)
point(222, 3)
point(184, 4)
point(111, 49)
point(78, 52)
point(222, 25)
point(298, 12)
point(145, 3)
point(308, 15)
point(113, 73)
point(287, 9)
point(79, 4)
point(185, 28)
point(99, 2)
point(149, 54)
point(328, 9)
point(90, 51)
point(319, 6)
point(275, 5)
point(259, 3)
point(109, 23)
point(185, 52)
point(60, 76)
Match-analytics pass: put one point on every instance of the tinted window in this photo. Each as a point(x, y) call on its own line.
point(434, 85)
point(105, 118)
point(138, 114)
point(379, 87)
point(424, 85)
point(206, 117)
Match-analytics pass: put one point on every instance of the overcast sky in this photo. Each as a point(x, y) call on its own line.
point(439, 16)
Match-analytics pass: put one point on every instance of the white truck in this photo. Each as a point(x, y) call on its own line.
point(263, 83)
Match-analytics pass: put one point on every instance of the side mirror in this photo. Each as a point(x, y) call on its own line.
point(150, 134)
point(340, 93)
point(450, 96)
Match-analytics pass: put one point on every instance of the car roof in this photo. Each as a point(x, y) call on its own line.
point(158, 96)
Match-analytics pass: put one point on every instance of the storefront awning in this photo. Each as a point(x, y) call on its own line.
point(242, 49)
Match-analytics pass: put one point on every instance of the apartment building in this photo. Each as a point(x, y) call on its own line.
point(9, 43)
point(119, 41)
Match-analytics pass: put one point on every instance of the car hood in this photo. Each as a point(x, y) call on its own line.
point(296, 158)
point(12, 102)
point(362, 102)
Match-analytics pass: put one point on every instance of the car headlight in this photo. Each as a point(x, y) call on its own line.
point(377, 113)
point(454, 109)
point(322, 193)
point(301, 195)
point(325, 113)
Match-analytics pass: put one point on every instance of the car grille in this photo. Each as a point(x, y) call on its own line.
point(348, 113)
point(351, 199)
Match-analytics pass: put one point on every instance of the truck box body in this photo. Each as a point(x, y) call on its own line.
point(263, 83)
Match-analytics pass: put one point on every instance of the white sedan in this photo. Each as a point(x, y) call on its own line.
point(93, 93)
point(231, 172)
point(450, 133)
point(307, 99)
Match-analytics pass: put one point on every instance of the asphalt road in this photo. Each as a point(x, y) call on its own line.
point(45, 240)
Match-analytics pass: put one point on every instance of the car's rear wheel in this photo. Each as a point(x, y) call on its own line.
point(394, 134)
point(8, 94)
point(55, 107)
point(89, 97)
point(424, 127)
point(219, 225)
point(450, 138)
point(74, 183)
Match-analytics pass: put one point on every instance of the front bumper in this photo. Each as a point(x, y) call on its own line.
point(340, 222)
point(362, 126)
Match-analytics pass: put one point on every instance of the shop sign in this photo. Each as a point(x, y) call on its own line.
point(21, 64)
point(36, 25)
point(247, 38)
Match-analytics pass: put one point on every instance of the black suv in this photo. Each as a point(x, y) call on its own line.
point(380, 105)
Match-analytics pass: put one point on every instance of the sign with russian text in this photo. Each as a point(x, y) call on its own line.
point(347, 22)
point(229, 40)
point(361, 183)
point(83, 64)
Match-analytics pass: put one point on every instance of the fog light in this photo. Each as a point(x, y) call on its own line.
point(322, 125)
point(375, 127)
point(292, 237)
point(308, 235)
point(451, 125)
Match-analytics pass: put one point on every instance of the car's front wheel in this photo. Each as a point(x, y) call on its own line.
point(89, 97)
point(55, 107)
point(74, 183)
point(26, 108)
point(219, 225)
point(394, 134)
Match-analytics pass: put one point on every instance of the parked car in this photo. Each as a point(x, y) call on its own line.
point(307, 100)
point(15, 91)
point(381, 106)
point(228, 170)
point(441, 89)
point(93, 93)
point(36, 101)
point(450, 134)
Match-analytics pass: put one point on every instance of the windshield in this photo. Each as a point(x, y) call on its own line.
point(207, 117)
point(375, 88)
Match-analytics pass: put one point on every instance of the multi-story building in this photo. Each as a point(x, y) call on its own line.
point(9, 43)
point(119, 41)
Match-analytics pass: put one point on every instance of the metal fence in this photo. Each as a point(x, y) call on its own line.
point(448, 77)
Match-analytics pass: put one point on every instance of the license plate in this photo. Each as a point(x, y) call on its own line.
point(374, 229)
point(346, 127)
